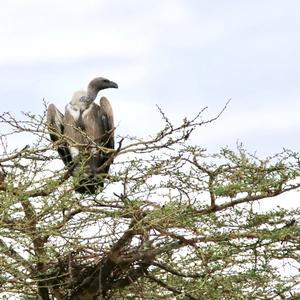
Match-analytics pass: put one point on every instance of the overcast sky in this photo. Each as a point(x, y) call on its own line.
point(179, 54)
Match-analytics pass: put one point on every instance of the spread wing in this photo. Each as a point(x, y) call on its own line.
point(56, 130)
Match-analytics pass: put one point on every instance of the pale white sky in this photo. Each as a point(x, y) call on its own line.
point(180, 54)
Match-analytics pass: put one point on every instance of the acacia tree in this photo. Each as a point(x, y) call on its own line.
point(172, 221)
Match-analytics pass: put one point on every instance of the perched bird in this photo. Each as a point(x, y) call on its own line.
point(81, 130)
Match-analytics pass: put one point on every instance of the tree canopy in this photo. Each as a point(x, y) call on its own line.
point(173, 221)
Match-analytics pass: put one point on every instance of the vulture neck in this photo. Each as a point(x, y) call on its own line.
point(92, 93)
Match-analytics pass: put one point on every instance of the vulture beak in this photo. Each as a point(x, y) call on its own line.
point(113, 85)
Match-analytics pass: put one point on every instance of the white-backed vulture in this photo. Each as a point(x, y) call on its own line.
point(84, 124)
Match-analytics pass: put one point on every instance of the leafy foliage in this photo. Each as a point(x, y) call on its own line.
point(172, 221)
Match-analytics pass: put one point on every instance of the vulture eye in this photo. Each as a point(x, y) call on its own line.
point(106, 80)
point(82, 99)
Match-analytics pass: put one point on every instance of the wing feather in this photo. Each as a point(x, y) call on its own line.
point(107, 120)
point(56, 130)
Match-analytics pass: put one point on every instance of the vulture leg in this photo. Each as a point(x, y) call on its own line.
point(56, 129)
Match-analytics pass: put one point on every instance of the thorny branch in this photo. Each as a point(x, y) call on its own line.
point(171, 220)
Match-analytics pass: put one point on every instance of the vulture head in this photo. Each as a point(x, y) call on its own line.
point(83, 100)
point(97, 85)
